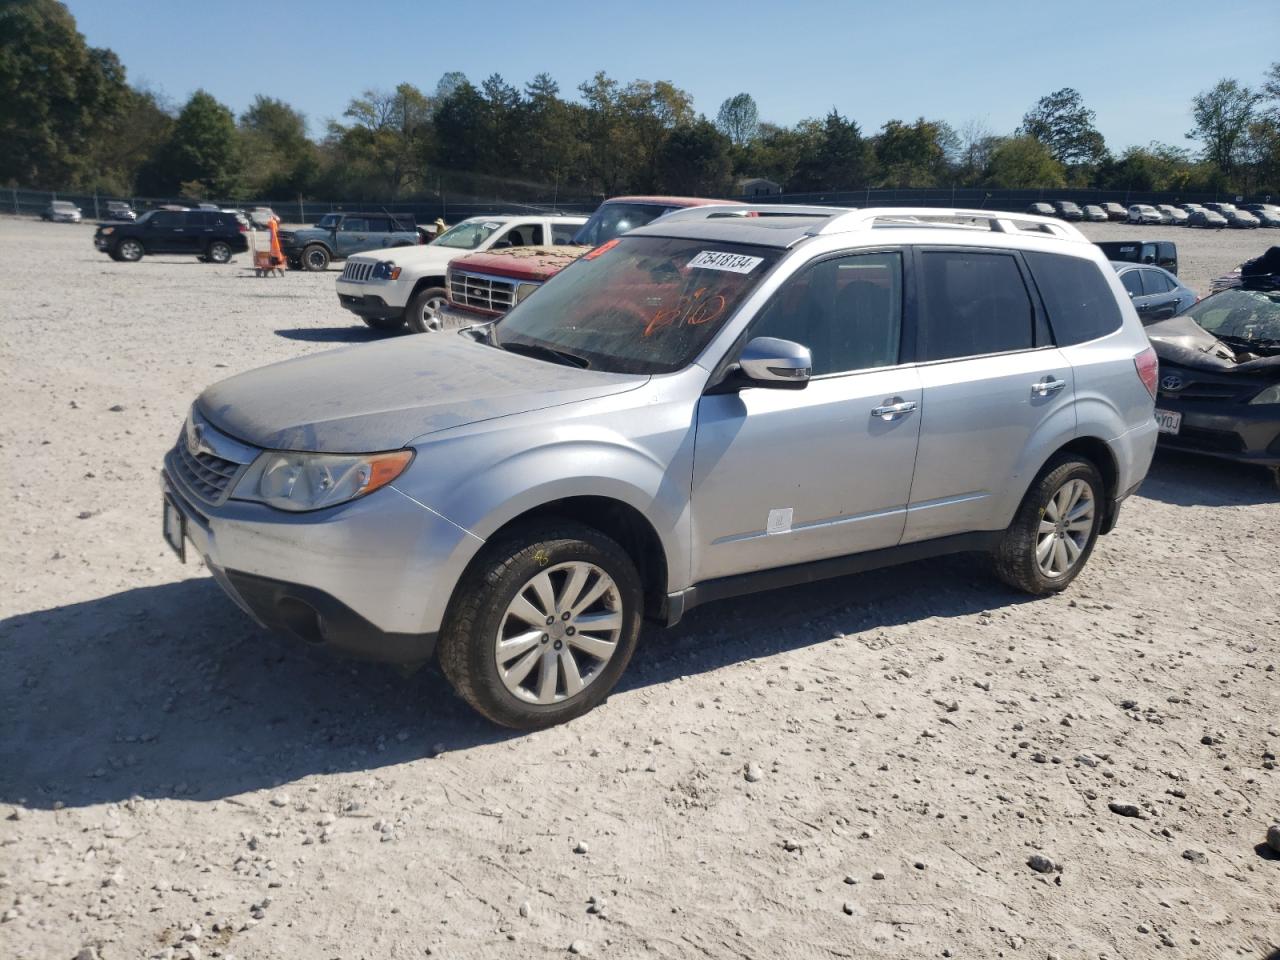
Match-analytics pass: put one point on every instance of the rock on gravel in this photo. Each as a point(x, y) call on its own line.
point(1273, 837)
point(1041, 864)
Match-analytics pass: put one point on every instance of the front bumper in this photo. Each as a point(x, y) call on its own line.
point(370, 578)
point(1228, 429)
point(368, 305)
point(453, 317)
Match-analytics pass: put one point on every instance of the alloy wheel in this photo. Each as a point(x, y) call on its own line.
point(559, 632)
point(1065, 527)
point(431, 314)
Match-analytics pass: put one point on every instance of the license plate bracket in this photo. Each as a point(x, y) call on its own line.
point(175, 528)
point(1168, 421)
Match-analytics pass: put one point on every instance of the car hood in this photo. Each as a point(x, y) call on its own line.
point(1182, 341)
point(380, 396)
point(420, 256)
point(522, 263)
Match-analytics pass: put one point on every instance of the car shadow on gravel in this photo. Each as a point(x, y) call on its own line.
point(1186, 480)
point(171, 691)
point(338, 334)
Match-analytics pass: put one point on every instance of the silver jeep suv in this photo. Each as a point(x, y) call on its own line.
point(730, 399)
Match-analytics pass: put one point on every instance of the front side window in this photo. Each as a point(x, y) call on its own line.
point(523, 235)
point(328, 222)
point(166, 219)
point(846, 310)
point(973, 304)
point(636, 304)
point(1132, 283)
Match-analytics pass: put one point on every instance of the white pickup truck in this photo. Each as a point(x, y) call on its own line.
point(388, 288)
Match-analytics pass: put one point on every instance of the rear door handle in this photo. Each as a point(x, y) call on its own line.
point(1047, 387)
point(893, 408)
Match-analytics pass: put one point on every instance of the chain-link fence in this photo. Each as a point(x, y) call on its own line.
point(94, 206)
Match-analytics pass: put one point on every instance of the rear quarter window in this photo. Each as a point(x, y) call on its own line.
point(1077, 297)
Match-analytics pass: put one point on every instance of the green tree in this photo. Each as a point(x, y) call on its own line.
point(386, 138)
point(280, 160)
point(1064, 124)
point(550, 147)
point(459, 128)
point(58, 95)
point(695, 160)
point(912, 155)
point(1023, 162)
point(842, 159)
point(117, 156)
point(739, 119)
point(202, 154)
point(1222, 115)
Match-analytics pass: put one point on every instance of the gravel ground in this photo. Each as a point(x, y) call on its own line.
point(910, 763)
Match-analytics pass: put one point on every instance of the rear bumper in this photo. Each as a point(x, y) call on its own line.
point(1232, 431)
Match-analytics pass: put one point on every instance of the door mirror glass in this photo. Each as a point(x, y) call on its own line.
point(771, 362)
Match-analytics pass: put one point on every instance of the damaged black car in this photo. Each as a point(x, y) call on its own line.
point(1219, 389)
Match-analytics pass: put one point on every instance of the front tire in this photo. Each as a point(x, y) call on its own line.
point(423, 312)
point(129, 250)
point(219, 252)
point(1055, 529)
point(387, 324)
point(315, 258)
point(543, 625)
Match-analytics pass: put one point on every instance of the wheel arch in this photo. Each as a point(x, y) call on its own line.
point(616, 519)
point(1097, 452)
point(425, 283)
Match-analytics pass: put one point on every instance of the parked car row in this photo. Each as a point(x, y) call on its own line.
point(1217, 215)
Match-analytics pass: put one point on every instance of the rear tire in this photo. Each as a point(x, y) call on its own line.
point(315, 258)
point(1055, 529)
point(387, 324)
point(219, 252)
point(553, 670)
point(423, 312)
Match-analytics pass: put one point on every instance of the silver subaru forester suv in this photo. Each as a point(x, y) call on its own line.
point(730, 399)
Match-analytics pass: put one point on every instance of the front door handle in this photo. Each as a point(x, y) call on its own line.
point(1047, 387)
point(893, 408)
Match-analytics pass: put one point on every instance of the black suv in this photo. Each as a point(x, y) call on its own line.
point(211, 235)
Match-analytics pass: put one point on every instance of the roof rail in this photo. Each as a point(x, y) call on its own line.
point(710, 211)
point(997, 221)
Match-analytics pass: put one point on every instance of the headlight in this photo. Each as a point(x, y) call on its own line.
point(310, 481)
point(524, 289)
point(1269, 395)
point(384, 270)
point(106, 230)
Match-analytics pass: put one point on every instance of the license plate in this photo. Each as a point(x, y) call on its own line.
point(1168, 421)
point(175, 528)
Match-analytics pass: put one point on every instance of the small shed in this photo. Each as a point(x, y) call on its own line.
point(758, 187)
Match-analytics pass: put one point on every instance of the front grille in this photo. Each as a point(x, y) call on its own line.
point(357, 271)
point(1205, 390)
point(482, 293)
point(205, 475)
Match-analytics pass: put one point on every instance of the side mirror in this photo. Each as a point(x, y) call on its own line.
point(771, 362)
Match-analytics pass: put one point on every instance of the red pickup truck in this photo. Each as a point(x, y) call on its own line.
point(483, 286)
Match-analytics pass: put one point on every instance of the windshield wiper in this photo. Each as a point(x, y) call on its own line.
point(546, 353)
point(1250, 342)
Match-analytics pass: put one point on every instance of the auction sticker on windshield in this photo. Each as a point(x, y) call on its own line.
point(1168, 421)
point(732, 262)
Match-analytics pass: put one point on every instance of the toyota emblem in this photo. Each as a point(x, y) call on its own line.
point(1171, 382)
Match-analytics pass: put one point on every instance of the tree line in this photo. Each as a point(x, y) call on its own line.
point(69, 119)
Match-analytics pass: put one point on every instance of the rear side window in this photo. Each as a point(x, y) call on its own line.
point(1153, 282)
point(379, 224)
point(562, 233)
point(973, 304)
point(1078, 298)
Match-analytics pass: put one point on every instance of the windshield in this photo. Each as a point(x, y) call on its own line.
point(1240, 314)
point(467, 235)
point(614, 219)
point(328, 221)
point(637, 304)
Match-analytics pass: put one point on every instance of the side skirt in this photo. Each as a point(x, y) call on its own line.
point(681, 602)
